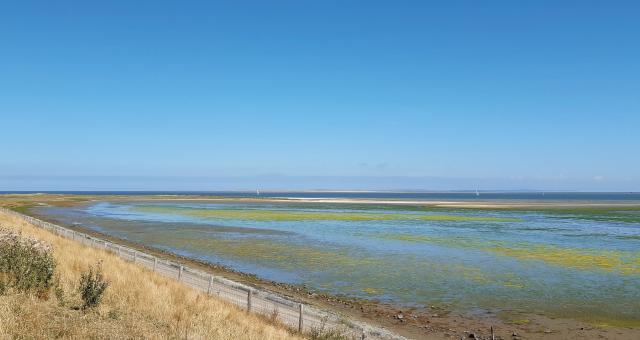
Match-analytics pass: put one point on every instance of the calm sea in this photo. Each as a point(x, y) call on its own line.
point(561, 196)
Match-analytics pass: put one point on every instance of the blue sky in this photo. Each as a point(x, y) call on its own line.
point(320, 94)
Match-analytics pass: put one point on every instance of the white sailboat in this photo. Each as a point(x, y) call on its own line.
point(477, 192)
point(257, 192)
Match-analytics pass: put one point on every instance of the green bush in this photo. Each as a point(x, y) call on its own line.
point(26, 264)
point(323, 333)
point(92, 286)
point(59, 292)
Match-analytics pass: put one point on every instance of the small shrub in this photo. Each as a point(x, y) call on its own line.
point(92, 286)
point(273, 316)
point(114, 314)
point(59, 292)
point(324, 333)
point(26, 264)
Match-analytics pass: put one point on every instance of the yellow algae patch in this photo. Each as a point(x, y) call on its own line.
point(441, 241)
point(409, 237)
point(372, 291)
point(624, 262)
point(612, 322)
point(585, 259)
point(512, 281)
point(513, 284)
point(471, 274)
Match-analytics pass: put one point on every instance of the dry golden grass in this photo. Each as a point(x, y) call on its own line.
point(137, 304)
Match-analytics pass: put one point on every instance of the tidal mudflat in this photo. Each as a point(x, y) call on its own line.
point(570, 263)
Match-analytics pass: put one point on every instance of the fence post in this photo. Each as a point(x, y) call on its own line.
point(155, 263)
point(180, 274)
point(135, 256)
point(249, 301)
point(119, 251)
point(363, 335)
point(210, 284)
point(301, 319)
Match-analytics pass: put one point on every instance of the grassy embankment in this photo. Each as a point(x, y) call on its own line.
point(137, 303)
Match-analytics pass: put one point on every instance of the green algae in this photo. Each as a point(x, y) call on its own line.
point(610, 213)
point(337, 264)
point(268, 251)
point(520, 322)
point(623, 262)
point(339, 261)
point(372, 291)
point(288, 215)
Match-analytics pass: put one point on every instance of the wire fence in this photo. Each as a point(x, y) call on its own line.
point(293, 314)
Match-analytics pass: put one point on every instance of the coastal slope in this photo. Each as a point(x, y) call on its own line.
point(137, 303)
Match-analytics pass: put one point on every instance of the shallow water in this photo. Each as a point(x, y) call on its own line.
point(566, 264)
